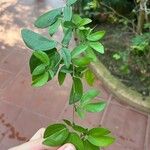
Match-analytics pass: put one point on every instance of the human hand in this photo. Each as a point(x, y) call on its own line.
point(35, 143)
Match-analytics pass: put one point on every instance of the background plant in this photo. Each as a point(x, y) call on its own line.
point(48, 60)
point(127, 40)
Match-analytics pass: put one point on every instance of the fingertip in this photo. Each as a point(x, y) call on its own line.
point(38, 134)
point(67, 146)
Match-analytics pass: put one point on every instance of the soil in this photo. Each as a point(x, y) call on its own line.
point(118, 40)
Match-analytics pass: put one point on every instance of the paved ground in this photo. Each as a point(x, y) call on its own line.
point(24, 109)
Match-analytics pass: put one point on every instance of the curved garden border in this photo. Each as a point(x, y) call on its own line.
point(124, 93)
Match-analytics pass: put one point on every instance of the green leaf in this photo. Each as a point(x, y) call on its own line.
point(81, 112)
point(116, 56)
point(42, 56)
point(65, 52)
point(69, 24)
point(97, 46)
point(98, 132)
point(76, 141)
point(61, 77)
point(67, 13)
point(33, 63)
point(89, 146)
point(85, 21)
point(89, 77)
point(78, 71)
point(89, 95)
point(79, 128)
point(80, 34)
point(35, 41)
point(55, 135)
point(52, 129)
point(89, 53)
point(40, 80)
point(54, 27)
point(67, 37)
point(95, 107)
point(96, 36)
point(54, 58)
point(102, 141)
point(76, 91)
point(48, 18)
point(78, 50)
point(81, 61)
point(51, 73)
point(66, 70)
point(70, 2)
point(38, 70)
point(67, 122)
point(76, 19)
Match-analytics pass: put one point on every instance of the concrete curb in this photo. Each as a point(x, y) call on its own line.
point(124, 93)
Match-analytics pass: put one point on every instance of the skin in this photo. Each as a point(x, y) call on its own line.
point(35, 143)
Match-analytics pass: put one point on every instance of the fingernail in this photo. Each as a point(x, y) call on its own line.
point(69, 147)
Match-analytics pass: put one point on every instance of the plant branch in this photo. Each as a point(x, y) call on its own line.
point(73, 114)
point(119, 15)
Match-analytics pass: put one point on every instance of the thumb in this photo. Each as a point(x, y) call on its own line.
point(67, 147)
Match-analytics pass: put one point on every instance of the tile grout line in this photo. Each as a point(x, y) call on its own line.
point(25, 109)
point(128, 107)
point(1, 69)
point(62, 112)
point(15, 77)
point(146, 136)
point(6, 57)
point(105, 111)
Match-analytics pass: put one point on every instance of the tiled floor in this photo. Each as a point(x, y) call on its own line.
point(24, 109)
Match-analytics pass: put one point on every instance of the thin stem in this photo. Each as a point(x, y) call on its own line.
point(73, 117)
point(119, 15)
point(73, 114)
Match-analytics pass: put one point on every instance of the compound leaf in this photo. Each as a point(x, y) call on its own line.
point(54, 27)
point(97, 46)
point(65, 52)
point(76, 91)
point(78, 50)
point(76, 141)
point(42, 56)
point(95, 107)
point(40, 80)
point(96, 36)
point(55, 135)
point(67, 13)
point(36, 41)
point(48, 18)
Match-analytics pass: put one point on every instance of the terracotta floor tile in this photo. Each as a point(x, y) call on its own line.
point(1, 94)
point(24, 128)
point(117, 146)
point(127, 125)
point(104, 94)
point(5, 78)
point(116, 101)
point(91, 119)
point(3, 147)
point(19, 91)
point(8, 114)
point(14, 62)
point(47, 100)
point(147, 141)
point(3, 52)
